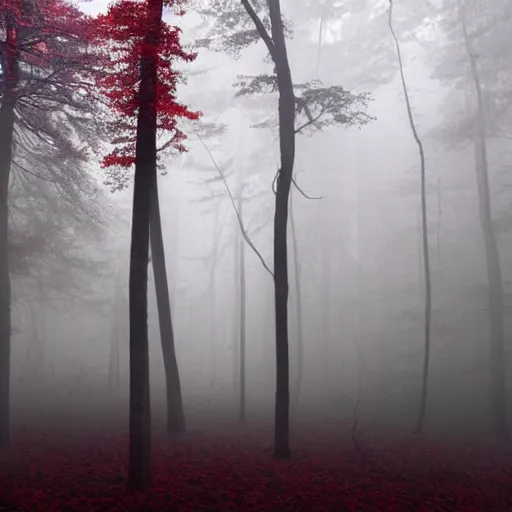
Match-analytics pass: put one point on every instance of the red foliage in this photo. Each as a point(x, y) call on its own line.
point(43, 28)
point(120, 33)
point(234, 472)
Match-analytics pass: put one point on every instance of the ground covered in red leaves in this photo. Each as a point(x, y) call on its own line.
point(234, 471)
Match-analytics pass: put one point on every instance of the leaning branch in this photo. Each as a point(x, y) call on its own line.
point(262, 31)
point(240, 220)
point(38, 176)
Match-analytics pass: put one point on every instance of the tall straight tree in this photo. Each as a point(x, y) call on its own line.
point(145, 49)
point(276, 45)
point(302, 107)
point(124, 28)
point(145, 179)
point(242, 291)
point(175, 414)
point(10, 82)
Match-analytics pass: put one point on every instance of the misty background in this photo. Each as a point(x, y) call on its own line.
point(358, 247)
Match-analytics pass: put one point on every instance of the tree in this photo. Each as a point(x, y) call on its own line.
point(175, 413)
point(45, 113)
point(476, 35)
point(424, 231)
point(58, 223)
point(10, 86)
point(302, 107)
point(147, 48)
point(498, 377)
point(244, 234)
point(241, 269)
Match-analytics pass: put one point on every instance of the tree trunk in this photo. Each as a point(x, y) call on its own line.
point(114, 366)
point(325, 300)
point(298, 292)
point(497, 371)
point(276, 45)
point(420, 423)
point(175, 414)
point(287, 150)
point(319, 45)
point(241, 254)
point(213, 294)
point(139, 470)
point(10, 84)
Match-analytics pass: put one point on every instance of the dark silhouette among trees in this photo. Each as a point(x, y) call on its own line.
point(146, 46)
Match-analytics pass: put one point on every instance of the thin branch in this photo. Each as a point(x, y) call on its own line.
point(311, 120)
point(38, 176)
point(262, 31)
point(296, 186)
point(240, 220)
point(303, 193)
point(274, 181)
point(309, 123)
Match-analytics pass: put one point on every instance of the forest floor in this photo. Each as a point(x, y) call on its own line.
point(227, 470)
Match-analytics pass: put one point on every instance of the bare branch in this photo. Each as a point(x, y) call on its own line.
point(240, 220)
point(38, 176)
point(262, 31)
point(303, 193)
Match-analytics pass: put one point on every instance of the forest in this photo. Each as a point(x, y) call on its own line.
point(255, 255)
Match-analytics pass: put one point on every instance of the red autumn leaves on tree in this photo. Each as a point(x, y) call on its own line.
point(120, 33)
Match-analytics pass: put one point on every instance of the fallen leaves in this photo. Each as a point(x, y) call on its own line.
point(234, 472)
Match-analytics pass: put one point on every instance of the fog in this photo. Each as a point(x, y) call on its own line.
point(357, 239)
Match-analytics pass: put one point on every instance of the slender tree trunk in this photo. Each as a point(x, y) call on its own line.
point(241, 253)
point(175, 413)
point(113, 367)
point(325, 298)
point(420, 423)
point(497, 360)
point(319, 45)
point(439, 220)
point(236, 333)
point(213, 294)
point(497, 370)
point(139, 470)
point(298, 292)
point(10, 84)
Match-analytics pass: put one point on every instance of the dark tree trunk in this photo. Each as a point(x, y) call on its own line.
point(497, 371)
point(241, 253)
point(287, 149)
point(10, 84)
point(175, 414)
point(139, 471)
point(276, 45)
